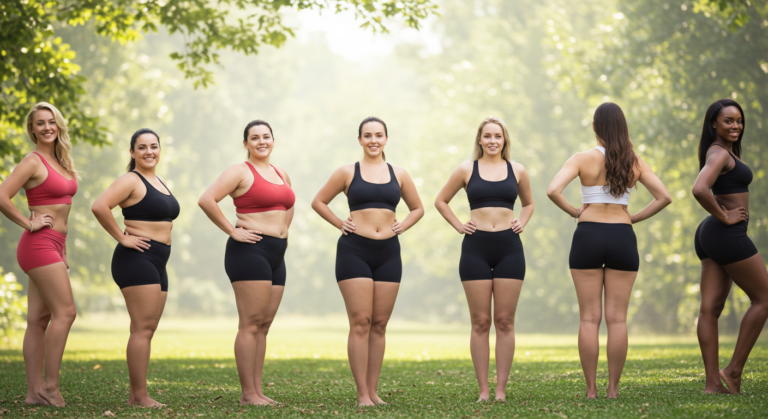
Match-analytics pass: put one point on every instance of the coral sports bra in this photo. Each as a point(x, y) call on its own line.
point(54, 190)
point(155, 206)
point(363, 195)
point(265, 196)
point(600, 195)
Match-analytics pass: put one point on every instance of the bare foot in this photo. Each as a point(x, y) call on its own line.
point(35, 399)
point(267, 399)
point(365, 401)
point(376, 399)
point(145, 402)
point(501, 396)
point(52, 397)
point(732, 380)
point(719, 389)
point(611, 395)
point(483, 399)
point(254, 400)
point(591, 393)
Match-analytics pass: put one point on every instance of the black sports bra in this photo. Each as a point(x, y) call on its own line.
point(363, 195)
point(482, 193)
point(735, 181)
point(155, 206)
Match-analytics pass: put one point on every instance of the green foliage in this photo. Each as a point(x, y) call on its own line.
point(13, 306)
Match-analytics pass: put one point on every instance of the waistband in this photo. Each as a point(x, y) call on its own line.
point(48, 233)
point(365, 241)
point(712, 219)
point(604, 226)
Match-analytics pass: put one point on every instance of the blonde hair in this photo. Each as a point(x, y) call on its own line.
point(477, 150)
point(63, 148)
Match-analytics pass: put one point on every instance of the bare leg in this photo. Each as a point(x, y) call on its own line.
point(261, 339)
point(384, 296)
point(52, 284)
point(618, 289)
point(358, 299)
point(715, 286)
point(479, 294)
point(38, 317)
point(252, 299)
point(506, 293)
point(589, 291)
point(145, 304)
point(751, 276)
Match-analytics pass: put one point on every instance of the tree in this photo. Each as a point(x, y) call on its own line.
point(35, 65)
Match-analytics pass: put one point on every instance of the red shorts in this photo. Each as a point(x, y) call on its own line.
point(40, 248)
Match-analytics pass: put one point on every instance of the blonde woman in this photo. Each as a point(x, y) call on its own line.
point(49, 178)
point(492, 264)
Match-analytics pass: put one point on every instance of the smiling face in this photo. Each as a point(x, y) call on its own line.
point(492, 139)
point(44, 127)
point(146, 151)
point(373, 138)
point(729, 124)
point(260, 141)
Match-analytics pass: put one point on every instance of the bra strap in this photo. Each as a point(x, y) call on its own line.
point(392, 177)
point(729, 152)
point(279, 175)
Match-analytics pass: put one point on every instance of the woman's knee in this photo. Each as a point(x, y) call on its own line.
point(252, 324)
point(65, 314)
point(481, 324)
point(379, 326)
point(505, 324)
point(360, 324)
point(712, 309)
point(591, 316)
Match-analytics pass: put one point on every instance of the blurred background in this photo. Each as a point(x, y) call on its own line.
point(542, 66)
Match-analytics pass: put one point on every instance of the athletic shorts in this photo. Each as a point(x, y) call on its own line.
point(361, 257)
point(131, 267)
point(260, 261)
point(492, 254)
point(604, 245)
point(40, 248)
point(723, 243)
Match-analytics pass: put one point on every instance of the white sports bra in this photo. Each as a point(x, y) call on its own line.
point(599, 195)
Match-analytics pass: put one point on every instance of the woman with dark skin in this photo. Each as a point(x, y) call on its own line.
point(727, 254)
point(369, 283)
point(49, 178)
point(140, 257)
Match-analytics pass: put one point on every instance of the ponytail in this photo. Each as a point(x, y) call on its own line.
point(134, 137)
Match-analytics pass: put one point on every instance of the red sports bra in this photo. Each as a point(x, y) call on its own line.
point(54, 190)
point(265, 196)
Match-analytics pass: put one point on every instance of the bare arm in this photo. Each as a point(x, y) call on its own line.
point(226, 184)
point(335, 185)
point(717, 160)
point(9, 187)
point(118, 192)
point(446, 194)
point(661, 197)
point(526, 199)
point(411, 197)
point(555, 190)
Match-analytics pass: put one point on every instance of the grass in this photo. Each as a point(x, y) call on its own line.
point(427, 373)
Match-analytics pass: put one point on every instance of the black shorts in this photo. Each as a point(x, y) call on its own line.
point(260, 261)
point(598, 245)
point(131, 267)
point(723, 243)
point(492, 254)
point(361, 257)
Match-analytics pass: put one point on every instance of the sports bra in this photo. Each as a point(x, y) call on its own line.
point(600, 195)
point(155, 206)
point(483, 193)
point(265, 196)
point(735, 181)
point(54, 190)
point(363, 195)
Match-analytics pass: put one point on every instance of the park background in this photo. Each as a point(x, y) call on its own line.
point(542, 66)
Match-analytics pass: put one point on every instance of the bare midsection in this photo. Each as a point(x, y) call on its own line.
point(60, 213)
point(159, 231)
point(605, 213)
point(733, 200)
point(374, 223)
point(493, 219)
point(269, 223)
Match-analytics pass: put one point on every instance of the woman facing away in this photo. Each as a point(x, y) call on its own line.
point(604, 254)
point(255, 249)
point(492, 265)
point(368, 263)
point(727, 254)
point(142, 251)
point(49, 178)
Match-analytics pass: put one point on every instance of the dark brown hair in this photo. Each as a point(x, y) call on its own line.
point(373, 119)
point(620, 158)
point(708, 133)
point(134, 137)
point(251, 125)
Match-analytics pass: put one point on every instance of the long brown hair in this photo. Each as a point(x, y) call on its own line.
point(62, 149)
point(708, 134)
point(620, 158)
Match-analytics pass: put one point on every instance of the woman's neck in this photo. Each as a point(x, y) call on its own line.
point(48, 150)
point(491, 160)
point(263, 163)
point(373, 160)
point(723, 143)
point(147, 173)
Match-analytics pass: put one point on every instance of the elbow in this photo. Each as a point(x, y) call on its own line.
point(666, 199)
point(552, 193)
point(316, 205)
point(699, 192)
point(201, 202)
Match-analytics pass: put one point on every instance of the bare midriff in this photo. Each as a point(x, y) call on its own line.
point(492, 218)
point(733, 200)
point(60, 213)
point(159, 231)
point(269, 223)
point(605, 213)
point(373, 223)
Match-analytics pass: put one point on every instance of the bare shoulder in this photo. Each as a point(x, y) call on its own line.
point(465, 167)
point(517, 167)
point(30, 161)
point(399, 171)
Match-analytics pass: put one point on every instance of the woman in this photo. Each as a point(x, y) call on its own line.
point(140, 258)
point(492, 265)
point(255, 249)
point(49, 178)
point(368, 263)
point(604, 250)
point(727, 254)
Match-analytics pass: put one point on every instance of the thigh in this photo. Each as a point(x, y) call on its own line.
point(253, 300)
point(245, 262)
point(275, 298)
point(52, 283)
point(358, 296)
point(37, 311)
point(479, 294)
point(384, 296)
point(350, 262)
point(506, 294)
point(512, 265)
point(391, 269)
point(715, 285)
point(618, 290)
point(589, 292)
point(474, 264)
point(144, 303)
point(751, 276)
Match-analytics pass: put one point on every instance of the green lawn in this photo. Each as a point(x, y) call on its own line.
point(427, 372)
